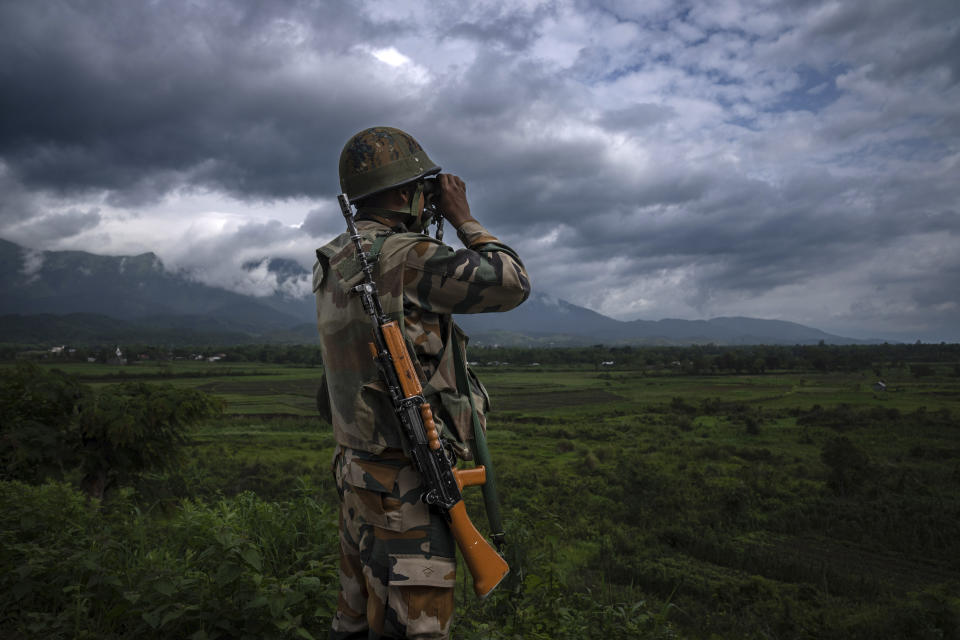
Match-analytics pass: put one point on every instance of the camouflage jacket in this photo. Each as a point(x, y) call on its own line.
point(421, 282)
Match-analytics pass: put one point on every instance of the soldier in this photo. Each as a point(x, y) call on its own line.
point(398, 563)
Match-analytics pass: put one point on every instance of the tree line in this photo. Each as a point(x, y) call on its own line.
point(756, 359)
point(921, 359)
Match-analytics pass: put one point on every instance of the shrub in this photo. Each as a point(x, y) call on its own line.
point(848, 465)
point(53, 427)
point(239, 567)
point(37, 440)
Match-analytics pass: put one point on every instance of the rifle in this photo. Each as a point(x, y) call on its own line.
point(443, 481)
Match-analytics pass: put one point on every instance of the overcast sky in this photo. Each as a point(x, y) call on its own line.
point(793, 160)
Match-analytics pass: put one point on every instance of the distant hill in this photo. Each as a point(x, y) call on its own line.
point(545, 320)
point(80, 297)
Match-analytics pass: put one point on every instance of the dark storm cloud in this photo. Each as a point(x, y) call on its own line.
point(758, 237)
point(497, 92)
point(636, 117)
point(139, 98)
point(59, 225)
point(896, 38)
point(16, 202)
point(317, 223)
point(511, 28)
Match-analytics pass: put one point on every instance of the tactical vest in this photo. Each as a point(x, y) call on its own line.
point(360, 408)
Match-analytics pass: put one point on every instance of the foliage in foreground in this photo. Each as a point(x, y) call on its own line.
point(238, 568)
point(638, 506)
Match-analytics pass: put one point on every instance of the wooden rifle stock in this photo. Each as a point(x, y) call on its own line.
point(486, 566)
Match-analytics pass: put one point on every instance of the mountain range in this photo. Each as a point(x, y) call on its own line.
point(80, 297)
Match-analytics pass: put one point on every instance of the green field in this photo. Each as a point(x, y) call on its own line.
point(646, 503)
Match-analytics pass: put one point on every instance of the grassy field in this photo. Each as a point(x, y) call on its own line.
point(782, 505)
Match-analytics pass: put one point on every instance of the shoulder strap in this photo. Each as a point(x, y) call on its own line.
point(377, 246)
point(341, 257)
point(490, 498)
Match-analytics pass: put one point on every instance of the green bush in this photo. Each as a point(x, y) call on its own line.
point(238, 568)
point(38, 436)
point(849, 466)
point(53, 427)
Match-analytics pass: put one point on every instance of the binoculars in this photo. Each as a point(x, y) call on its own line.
point(431, 192)
point(431, 186)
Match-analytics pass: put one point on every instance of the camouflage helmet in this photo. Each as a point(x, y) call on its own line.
point(381, 158)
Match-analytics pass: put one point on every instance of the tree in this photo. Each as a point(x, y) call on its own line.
point(36, 407)
point(849, 466)
point(134, 427)
point(52, 426)
point(921, 370)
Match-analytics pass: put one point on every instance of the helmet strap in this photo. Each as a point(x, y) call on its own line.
point(416, 215)
point(411, 217)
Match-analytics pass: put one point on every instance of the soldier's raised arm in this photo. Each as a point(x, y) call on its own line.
point(485, 276)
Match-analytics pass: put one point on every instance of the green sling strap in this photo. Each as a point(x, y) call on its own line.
point(482, 454)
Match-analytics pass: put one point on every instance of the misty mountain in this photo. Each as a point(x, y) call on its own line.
point(134, 288)
point(112, 296)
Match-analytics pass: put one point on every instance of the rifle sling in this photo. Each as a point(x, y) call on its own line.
point(482, 454)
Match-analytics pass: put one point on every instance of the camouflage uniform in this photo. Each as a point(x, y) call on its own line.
point(397, 564)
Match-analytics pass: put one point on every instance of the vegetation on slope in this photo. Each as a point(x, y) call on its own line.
point(642, 499)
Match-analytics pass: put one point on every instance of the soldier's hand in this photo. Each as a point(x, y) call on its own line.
point(453, 199)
